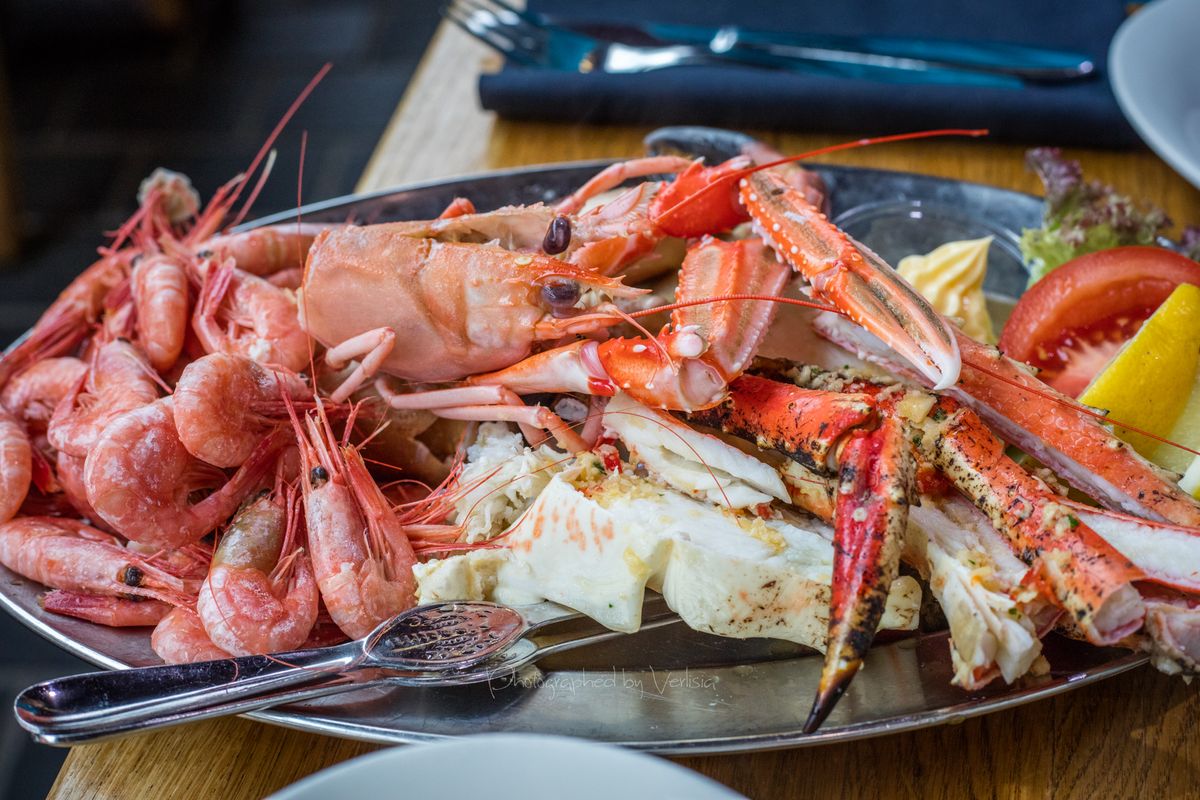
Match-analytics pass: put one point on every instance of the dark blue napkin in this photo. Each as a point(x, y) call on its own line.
point(1080, 113)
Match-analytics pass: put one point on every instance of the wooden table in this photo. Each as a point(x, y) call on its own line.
point(1137, 734)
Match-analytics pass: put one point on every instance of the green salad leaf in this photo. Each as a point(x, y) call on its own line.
point(1081, 216)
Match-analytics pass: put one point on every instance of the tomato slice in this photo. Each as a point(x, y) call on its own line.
point(1071, 322)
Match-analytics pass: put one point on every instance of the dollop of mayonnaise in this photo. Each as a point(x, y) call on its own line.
point(951, 279)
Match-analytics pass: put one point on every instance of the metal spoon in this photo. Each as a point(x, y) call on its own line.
point(444, 644)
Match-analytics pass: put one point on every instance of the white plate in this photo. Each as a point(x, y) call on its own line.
point(509, 766)
point(1154, 74)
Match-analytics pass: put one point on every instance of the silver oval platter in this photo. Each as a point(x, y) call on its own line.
point(672, 690)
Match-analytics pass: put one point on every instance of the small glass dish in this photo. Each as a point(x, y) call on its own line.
point(898, 228)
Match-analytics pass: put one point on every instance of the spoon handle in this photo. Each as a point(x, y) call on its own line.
point(101, 705)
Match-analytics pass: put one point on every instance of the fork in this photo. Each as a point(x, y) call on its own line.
point(531, 44)
point(524, 39)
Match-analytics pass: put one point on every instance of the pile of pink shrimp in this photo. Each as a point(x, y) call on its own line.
point(166, 459)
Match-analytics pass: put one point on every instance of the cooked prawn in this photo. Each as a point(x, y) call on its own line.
point(33, 393)
point(160, 295)
point(120, 380)
point(16, 465)
point(69, 471)
point(361, 554)
point(225, 404)
point(244, 314)
point(140, 480)
point(67, 554)
point(267, 250)
point(180, 639)
point(260, 595)
point(65, 323)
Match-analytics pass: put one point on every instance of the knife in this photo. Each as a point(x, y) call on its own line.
point(853, 54)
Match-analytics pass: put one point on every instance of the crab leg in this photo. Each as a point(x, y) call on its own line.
point(803, 424)
point(830, 430)
point(995, 623)
point(1086, 576)
point(996, 616)
point(1168, 554)
point(1089, 579)
point(1054, 429)
point(1172, 631)
point(1049, 426)
point(876, 477)
point(852, 277)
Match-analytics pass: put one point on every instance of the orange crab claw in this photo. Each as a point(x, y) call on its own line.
point(870, 517)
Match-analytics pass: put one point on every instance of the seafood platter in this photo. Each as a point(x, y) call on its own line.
point(584, 383)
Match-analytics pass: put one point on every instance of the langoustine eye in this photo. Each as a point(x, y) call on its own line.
point(558, 236)
point(561, 294)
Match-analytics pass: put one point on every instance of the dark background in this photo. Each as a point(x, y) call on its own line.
point(103, 91)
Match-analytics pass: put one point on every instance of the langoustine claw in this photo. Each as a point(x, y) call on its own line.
point(852, 277)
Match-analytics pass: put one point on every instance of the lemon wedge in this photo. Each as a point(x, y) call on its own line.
point(1152, 382)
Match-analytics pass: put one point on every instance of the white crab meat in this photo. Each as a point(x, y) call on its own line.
point(476, 575)
point(1167, 553)
point(994, 620)
point(595, 542)
point(1173, 640)
point(500, 479)
point(694, 463)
